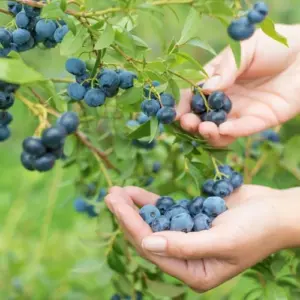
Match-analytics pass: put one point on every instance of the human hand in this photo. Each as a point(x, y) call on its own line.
point(264, 91)
point(259, 222)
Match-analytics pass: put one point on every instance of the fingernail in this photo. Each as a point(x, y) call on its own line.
point(212, 83)
point(155, 244)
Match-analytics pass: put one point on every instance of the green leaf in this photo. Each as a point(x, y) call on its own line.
point(139, 42)
point(71, 25)
point(201, 44)
point(268, 27)
point(63, 5)
point(72, 44)
point(106, 38)
point(174, 89)
point(154, 127)
point(161, 289)
point(189, 30)
point(142, 131)
point(125, 41)
point(52, 11)
point(10, 72)
point(131, 96)
point(192, 60)
point(115, 262)
point(216, 8)
point(237, 51)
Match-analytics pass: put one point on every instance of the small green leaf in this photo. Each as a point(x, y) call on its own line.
point(115, 262)
point(268, 27)
point(139, 42)
point(189, 30)
point(154, 126)
point(52, 11)
point(72, 44)
point(131, 96)
point(201, 44)
point(71, 25)
point(192, 60)
point(237, 51)
point(161, 88)
point(106, 38)
point(63, 5)
point(142, 131)
point(174, 89)
point(161, 289)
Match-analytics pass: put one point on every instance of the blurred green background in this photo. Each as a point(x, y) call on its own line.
point(44, 253)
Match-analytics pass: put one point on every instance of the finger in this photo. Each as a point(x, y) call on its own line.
point(140, 196)
point(115, 195)
point(184, 105)
point(190, 122)
point(117, 190)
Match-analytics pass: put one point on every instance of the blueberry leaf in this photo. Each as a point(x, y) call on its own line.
point(142, 131)
point(189, 30)
point(106, 38)
point(161, 289)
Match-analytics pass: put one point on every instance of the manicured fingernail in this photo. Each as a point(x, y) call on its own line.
point(154, 244)
point(212, 83)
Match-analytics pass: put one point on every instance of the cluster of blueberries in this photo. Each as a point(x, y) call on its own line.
point(148, 180)
point(94, 91)
point(138, 296)
point(213, 108)
point(40, 154)
point(84, 207)
point(244, 27)
point(7, 100)
point(160, 105)
point(195, 215)
point(32, 30)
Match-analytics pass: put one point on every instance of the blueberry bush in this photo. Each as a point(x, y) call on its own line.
point(88, 91)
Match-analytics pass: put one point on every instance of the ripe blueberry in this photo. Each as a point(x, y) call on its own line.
point(14, 7)
point(160, 224)
point(142, 118)
point(4, 133)
point(84, 80)
point(255, 16)
point(271, 136)
point(80, 205)
point(22, 20)
point(174, 211)
point(262, 8)
point(45, 162)
point(75, 66)
point(241, 29)
point(196, 205)
point(227, 171)
point(34, 147)
point(109, 82)
point(76, 91)
point(133, 123)
point(167, 100)
point(149, 213)
point(198, 104)
point(54, 137)
point(164, 203)
point(28, 161)
point(6, 100)
point(227, 105)
point(207, 186)
point(214, 206)
point(202, 222)
point(156, 167)
point(5, 37)
point(147, 90)
point(144, 144)
point(222, 188)
point(69, 121)
point(126, 79)
point(150, 107)
point(166, 115)
point(5, 118)
point(218, 117)
point(21, 36)
point(182, 222)
point(31, 11)
point(102, 194)
point(91, 211)
point(26, 46)
point(236, 180)
point(60, 33)
point(216, 100)
point(184, 203)
point(8, 87)
point(94, 97)
point(45, 28)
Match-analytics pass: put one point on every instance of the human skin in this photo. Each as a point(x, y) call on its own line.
point(260, 221)
point(264, 91)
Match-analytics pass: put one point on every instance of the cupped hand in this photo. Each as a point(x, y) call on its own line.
point(264, 91)
point(251, 229)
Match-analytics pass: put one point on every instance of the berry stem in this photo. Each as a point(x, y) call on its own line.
point(112, 241)
point(62, 80)
point(104, 170)
point(97, 63)
point(6, 12)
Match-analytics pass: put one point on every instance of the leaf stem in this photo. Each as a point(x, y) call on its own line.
point(97, 63)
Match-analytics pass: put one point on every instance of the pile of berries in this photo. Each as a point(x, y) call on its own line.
point(227, 181)
point(213, 108)
point(7, 100)
point(244, 27)
point(160, 105)
point(40, 154)
point(94, 91)
point(32, 30)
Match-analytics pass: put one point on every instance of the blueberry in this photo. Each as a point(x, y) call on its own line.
point(126, 79)
point(22, 20)
point(255, 16)
point(195, 144)
point(160, 224)
point(214, 206)
point(80, 205)
point(207, 186)
point(218, 117)
point(14, 7)
point(115, 297)
point(58, 152)
point(8, 87)
point(34, 146)
point(31, 11)
point(54, 137)
point(32, 23)
point(144, 144)
point(45, 28)
point(227, 105)
point(149, 213)
point(69, 121)
point(4, 52)
point(184, 203)
point(236, 180)
point(198, 104)
point(28, 161)
point(84, 80)
point(76, 91)
point(196, 205)
point(90, 209)
point(102, 194)
point(149, 181)
point(109, 82)
point(139, 296)
point(45, 162)
point(241, 29)
point(271, 136)
point(262, 8)
point(132, 123)
point(182, 222)
point(94, 97)
point(5, 37)
point(174, 211)
point(90, 190)
point(166, 115)
point(164, 203)
point(167, 100)
point(156, 167)
point(6, 100)
point(75, 66)
point(202, 222)
point(227, 171)
point(142, 118)
point(26, 46)
point(4, 133)
point(21, 36)
point(5, 118)
point(147, 89)
point(222, 188)
point(50, 43)
point(150, 107)
point(207, 116)
point(60, 33)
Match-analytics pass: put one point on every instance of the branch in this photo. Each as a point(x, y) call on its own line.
point(6, 12)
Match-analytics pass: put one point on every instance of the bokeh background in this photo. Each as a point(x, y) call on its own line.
point(47, 250)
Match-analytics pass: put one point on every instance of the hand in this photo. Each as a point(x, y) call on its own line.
point(257, 224)
point(264, 91)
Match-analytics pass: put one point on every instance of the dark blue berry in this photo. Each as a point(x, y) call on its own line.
point(8, 87)
point(4, 52)
point(80, 205)
point(201, 222)
point(150, 107)
point(50, 43)
point(160, 224)
point(214, 206)
point(222, 188)
point(149, 213)
point(156, 167)
point(5, 37)
point(34, 146)
point(196, 205)
point(60, 33)
point(28, 161)
point(21, 36)
point(218, 117)
point(102, 194)
point(207, 186)
point(45, 28)
point(6, 100)
point(167, 100)
point(75, 66)
point(142, 118)
point(90, 190)
point(132, 123)
point(91, 211)
point(126, 79)
point(69, 121)
point(174, 211)
point(227, 107)
point(76, 91)
point(115, 297)
point(94, 97)
point(184, 203)
point(14, 7)
point(261, 7)
point(241, 29)
point(144, 144)
point(149, 181)
point(4, 133)
point(147, 90)
point(54, 137)
point(271, 136)
point(164, 203)
point(45, 162)
point(58, 153)
point(182, 222)
point(22, 20)
point(32, 11)
point(236, 180)
point(198, 104)
point(109, 82)
point(227, 171)
point(255, 17)
point(166, 115)
point(5, 118)
point(216, 100)
point(26, 46)
point(84, 80)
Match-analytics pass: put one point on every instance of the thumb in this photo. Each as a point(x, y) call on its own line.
point(223, 69)
point(194, 245)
